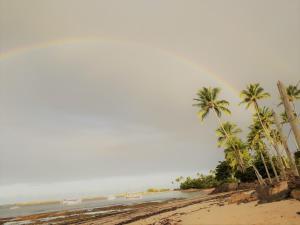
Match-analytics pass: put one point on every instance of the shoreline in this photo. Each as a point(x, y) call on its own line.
point(132, 212)
point(234, 208)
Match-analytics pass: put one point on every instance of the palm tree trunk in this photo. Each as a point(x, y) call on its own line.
point(289, 112)
point(258, 176)
point(285, 145)
point(266, 168)
point(279, 160)
point(268, 138)
point(239, 159)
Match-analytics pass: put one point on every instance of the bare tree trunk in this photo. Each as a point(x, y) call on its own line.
point(285, 145)
point(289, 112)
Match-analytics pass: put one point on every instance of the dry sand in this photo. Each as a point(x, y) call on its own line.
point(286, 212)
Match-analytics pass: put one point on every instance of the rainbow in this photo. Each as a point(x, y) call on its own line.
point(73, 40)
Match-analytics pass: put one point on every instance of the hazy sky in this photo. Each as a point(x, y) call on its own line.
point(97, 90)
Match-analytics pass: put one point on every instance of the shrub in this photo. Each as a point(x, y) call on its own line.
point(247, 176)
point(203, 181)
point(223, 171)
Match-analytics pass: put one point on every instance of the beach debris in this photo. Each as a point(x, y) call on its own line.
point(242, 197)
point(226, 187)
point(275, 192)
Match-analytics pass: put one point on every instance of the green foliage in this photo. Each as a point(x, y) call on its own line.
point(252, 94)
point(227, 130)
point(293, 93)
point(207, 99)
point(157, 190)
point(297, 158)
point(223, 171)
point(202, 181)
point(247, 176)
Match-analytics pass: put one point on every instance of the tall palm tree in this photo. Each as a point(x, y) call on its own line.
point(285, 120)
point(267, 119)
point(250, 97)
point(227, 138)
point(262, 125)
point(207, 100)
point(293, 93)
point(255, 141)
point(252, 94)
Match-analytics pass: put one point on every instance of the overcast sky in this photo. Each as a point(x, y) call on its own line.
point(97, 90)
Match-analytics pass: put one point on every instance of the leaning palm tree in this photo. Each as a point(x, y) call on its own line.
point(252, 94)
point(250, 97)
point(255, 141)
point(227, 138)
point(293, 94)
point(262, 122)
point(267, 119)
point(285, 120)
point(207, 100)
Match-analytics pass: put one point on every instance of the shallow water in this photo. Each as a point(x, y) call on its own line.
point(11, 211)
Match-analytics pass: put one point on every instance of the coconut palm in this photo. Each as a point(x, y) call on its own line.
point(255, 141)
point(237, 159)
point(267, 119)
point(262, 125)
point(250, 97)
point(252, 94)
point(231, 129)
point(227, 138)
point(293, 93)
point(207, 100)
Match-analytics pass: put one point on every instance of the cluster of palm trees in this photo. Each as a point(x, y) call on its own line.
point(265, 138)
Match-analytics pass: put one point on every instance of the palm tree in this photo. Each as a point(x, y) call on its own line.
point(252, 94)
point(231, 129)
point(227, 138)
point(207, 100)
point(250, 97)
point(262, 124)
point(255, 141)
point(278, 141)
point(293, 94)
point(237, 159)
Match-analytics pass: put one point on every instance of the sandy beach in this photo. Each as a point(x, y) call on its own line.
point(286, 212)
point(231, 208)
